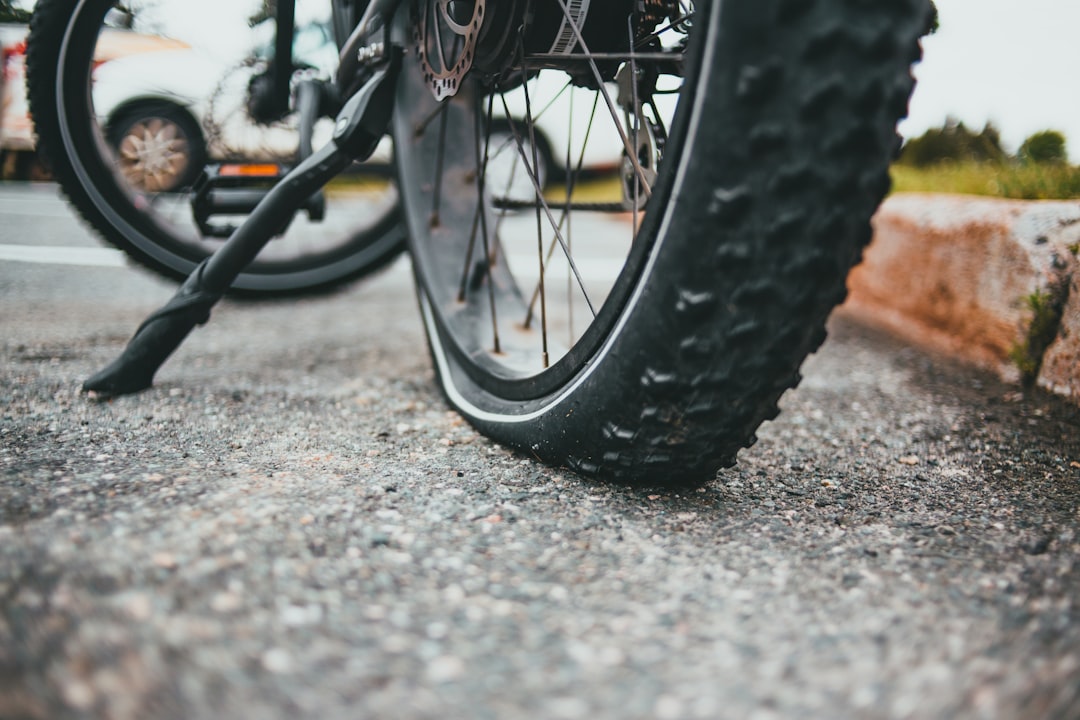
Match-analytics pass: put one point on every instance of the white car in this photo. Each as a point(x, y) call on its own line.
point(168, 113)
point(16, 127)
point(16, 130)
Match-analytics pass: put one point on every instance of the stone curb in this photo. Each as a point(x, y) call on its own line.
point(981, 279)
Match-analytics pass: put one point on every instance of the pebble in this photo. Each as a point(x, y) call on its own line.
point(226, 602)
point(668, 708)
point(139, 606)
point(80, 695)
point(277, 661)
point(299, 616)
point(446, 668)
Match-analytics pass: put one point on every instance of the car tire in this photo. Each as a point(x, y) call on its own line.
point(158, 146)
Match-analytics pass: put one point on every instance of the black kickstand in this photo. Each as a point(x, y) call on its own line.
point(360, 126)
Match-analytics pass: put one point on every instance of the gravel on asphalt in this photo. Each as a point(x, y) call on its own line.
point(291, 523)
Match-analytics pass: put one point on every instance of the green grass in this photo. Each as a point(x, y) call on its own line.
point(598, 189)
point(1046, 310)
point(1007, 180)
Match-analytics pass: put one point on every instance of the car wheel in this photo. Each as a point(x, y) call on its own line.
point(158, 147)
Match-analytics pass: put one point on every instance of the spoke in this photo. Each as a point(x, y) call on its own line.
point(569, 222)
point(565, 217)
point(571, 185)
point(436, 211)
point(422, 126)
point(670, 27)
point(438, 36)
point(607, 98)
point(173, 206)
point(481, 183)
point(463, 286)
point(539, 199)
point(182, 215)
point(505, 201)
point(481, 179)
point(536, 59)
point(440, 159)
point(569, 84)
point(637, 129)
point(596, 207)
point(658, 119)
point(543, 206)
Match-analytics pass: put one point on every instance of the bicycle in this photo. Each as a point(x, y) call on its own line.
point(163, 147)
point(740, 214)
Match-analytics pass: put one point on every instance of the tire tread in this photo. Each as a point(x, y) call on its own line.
point(816, 95)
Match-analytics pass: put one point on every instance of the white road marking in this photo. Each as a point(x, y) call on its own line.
point(40, 210)
point(592, 269)
point(55, 255)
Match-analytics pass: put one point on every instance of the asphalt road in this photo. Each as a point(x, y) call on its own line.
point(292, 524)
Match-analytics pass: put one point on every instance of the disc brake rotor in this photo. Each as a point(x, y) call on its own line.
point(445, 33)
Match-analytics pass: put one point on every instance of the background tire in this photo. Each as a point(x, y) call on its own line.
point(157, 231)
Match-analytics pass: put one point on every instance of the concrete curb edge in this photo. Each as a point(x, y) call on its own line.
point(992, 282)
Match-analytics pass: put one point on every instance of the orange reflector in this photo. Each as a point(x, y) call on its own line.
point(265, 170)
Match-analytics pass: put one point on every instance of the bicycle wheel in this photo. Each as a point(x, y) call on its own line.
point(657, 328)
point(130, 103)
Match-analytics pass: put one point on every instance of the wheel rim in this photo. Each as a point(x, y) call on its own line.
point(154, 155)
point(522, 290)
point(156, 219)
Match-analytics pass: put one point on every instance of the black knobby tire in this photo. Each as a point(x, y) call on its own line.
point(60, 49)
point(778, 158)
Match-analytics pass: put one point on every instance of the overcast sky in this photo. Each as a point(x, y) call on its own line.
point(1012, 62)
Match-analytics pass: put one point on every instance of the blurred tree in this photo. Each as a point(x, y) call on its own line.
point(11, 14)
point(935, 19)
point(1047, 146)
point(954, 142)
point(122, 16)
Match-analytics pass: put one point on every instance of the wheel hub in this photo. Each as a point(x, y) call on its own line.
point(153, 155)
point(453, 37)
